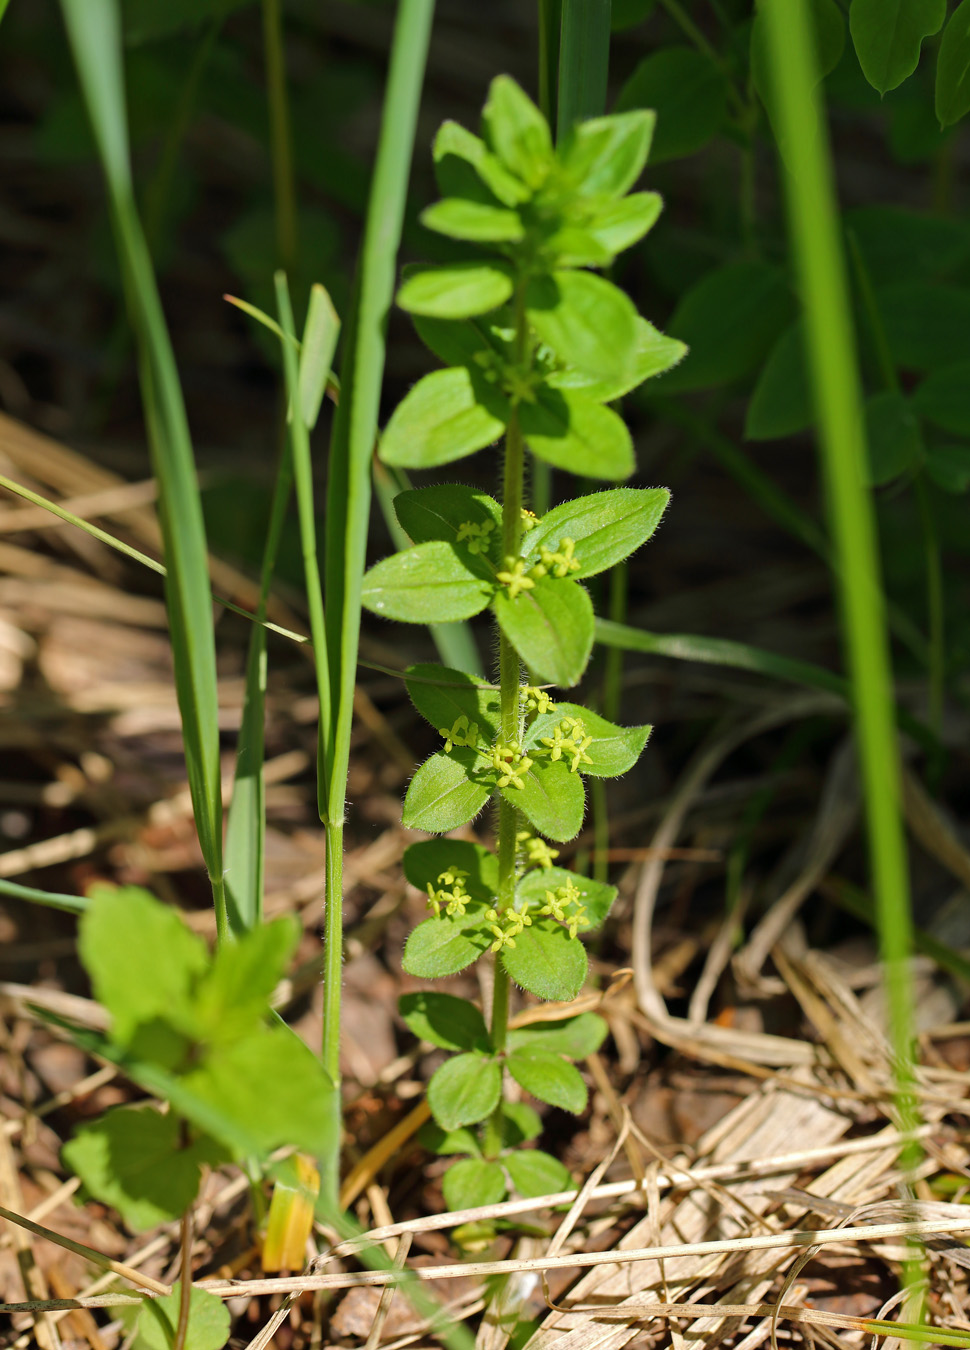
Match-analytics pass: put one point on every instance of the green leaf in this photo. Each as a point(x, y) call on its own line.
point(587, 321)
point(686, 89)
point(442, 695)
point(465, 167)
point(953, 68)
point(473, 1182)
point(447, 415)
point(606, 155)
point(550, 626)
point(781, 403)
point(614, 749)
point(536, 1173)
point(944, 398)
point(475, 221)
point(654, 353)
point(605, 526)
point(551, 798)
point(895, 243)
point(209, 1321)
point(464, 1090)
point(233, 995)
point(146, 21)
point(439, 512)
point(576, 1037)
point(622, 224)
point(548, 1076)
point(131, 1159)
point(444, 946)
point(949, 467)
point(596, 896)
point(436, 1140)
point(457, 291)
point(927, 326)
point(142, 959)
point(520, 1124)
point(428, 583)
point(517, 132)
point(893, 437)
point(441, 795)
point(316, 352)
point(461, 342)
point(550, 964)
point(571, 431)
point(444, 1020)
point(729, 320)
point(424, 863)
point(888, 34)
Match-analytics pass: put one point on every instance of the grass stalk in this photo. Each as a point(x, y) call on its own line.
point(810, 191)
point(550, 23)
point(584, 62)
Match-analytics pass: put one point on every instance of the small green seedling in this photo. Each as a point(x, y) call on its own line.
point(535, 347)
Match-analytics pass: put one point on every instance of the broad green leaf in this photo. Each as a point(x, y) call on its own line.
point(596, 896)
point(614, 750)
point(550, 626)
point(686, 90)
point(444, 1020)
point(622, 224)
point(474, 221)
point(442, 695)
point(465, 342)
point(927, 326)
point(606, 155)
point(429, 583)
point(520, 1124)
point(464, 1090)
point(605, 526)
point(953, 68)
point(949, 467)
point(549, 1077)
point(781, 403)
point(551, 798)
point(209, 1321)
point(441, 795)
point(893, 437)
point(142, 960)
point(517, 132)
point(550, 964)
point(473, 1182)
point(131, 1159)
point(457, 291)
point(445, 416)
point(654, 354)
point(436, 1140)
point(425, 862)
point(439, 512)
point(316, 352)
point(465, 167)
point(587, 321)
point(944, 398)
point(729, 321)
point(888, 34)
point(576, 1037)
point(896, 242)
point(233, 995)
point(536, 1173)
point(570, 430)
point(444, 946)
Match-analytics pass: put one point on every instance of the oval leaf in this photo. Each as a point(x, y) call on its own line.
point(614, 749)
point(439, 512)
point(576, 1037)
point(424, 863)
point(550, 626)
point(570, 430)
point(429, 583)
point(597, 897)
point(457, 291)
point(654, 353)
point(449, 1022)
point(587, 321)
point(474, 221)
point(549, 963)
point(686, 90)
point(551, 798)
point(517, 131)
point(605, 526)
point(888, 34)
point(442, 795)
point(441, 419)
point(536, 1173)
point(464, 1091)
point(473, 1182)
point(444, 946)
point(549, 1077)
point(442, 695)
point(606, 155)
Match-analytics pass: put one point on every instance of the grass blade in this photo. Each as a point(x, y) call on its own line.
point(73, 904)
point(584, 61)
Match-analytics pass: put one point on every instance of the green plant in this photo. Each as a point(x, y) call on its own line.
point(535, 347)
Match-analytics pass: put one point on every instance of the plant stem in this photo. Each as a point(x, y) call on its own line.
point(935, 613)
point(185, 1282)
point(284, 190)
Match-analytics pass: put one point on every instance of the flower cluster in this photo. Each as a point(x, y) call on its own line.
point(510, 762)
point(477, 537)
point(536, 700)
point(569, 738)
point(565, 905)
point(559, 562)
point(533, 851)
point(462, 732)
point(450, 893)
point(506, 926)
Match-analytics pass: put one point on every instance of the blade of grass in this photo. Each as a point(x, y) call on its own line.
point(94, 31)
point(813, 223)
point(73, 904)
point(584, 61)
point(550, 24)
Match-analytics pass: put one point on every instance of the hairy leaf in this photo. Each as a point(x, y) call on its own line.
point(444, 946)
point(549, 963)
point(436, 1140)
point(596, 896)
point(447, 415)
point(474, 221)
point(444, 1020)
point(551, 798)
point(605, 526)
point(549, 1077)
point(438, 513)
point(441, 795)
point(550, 626)
point(424, 863)
point(520, 1124)
point(613, 751)
point(429, 583)
point(517, 132)
point(442, 695)
point(464, 1090)
point(654, 353)
point(457, 291)
point(606, 155)
point(234, 993)
point(473, 1182)
point(465, 167)
point(570, 430)
point(536, 1173)
point(587, 321)
point(576, 1037)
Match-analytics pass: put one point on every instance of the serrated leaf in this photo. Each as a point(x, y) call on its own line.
point(888, 34)
point(233, 995)
point(464, 1090)
point(438, 512)
point(131, 1159)
point(458, 291)
point(605, 526)
point(687, 92)
point(536, 1173)
point(944, 398)
point(441, 795)
point(587, 321)
point(436, 1140)
point(520, 1124)
point(550, 626)
point(781, 403)
point(429, 583)
point(447, 415)
point(473, 1182)
point(444, 946)
point(570, 430)
point(606, 155)
point(614, 750)
point(893, 438)
point(575, 1037)
point(550, 964)
point(549, 1077)
point(517, 132)
point(209, 1321)
point(949, 467)
point(551, 798)
point(424, 863)
point(654, 353)
point(442, 695)
point(596, 896)
point(477, 222)
point(953, 68)
point(446, 1021)
point(465, 167)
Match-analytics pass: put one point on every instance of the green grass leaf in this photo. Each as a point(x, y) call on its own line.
point(548, 1076)
point(430, 583)
point(473, 1182)
point(576, 1037)
point(424, 863)
point(443, 418)
point(316, 353)
point(517, 132)
point(442, 696)
point(548, 963)
point(888, 34)
point(551, 798)
point(444, 946)
point(477, 222)
point(439, 512)
point(570, 430)
point(596, 896)
point(605, 526)
point(441, 795)
point(464, 1090)
point(587, 321)
point(686, 90)
point(536, 1173)
point(550, 626)
point(209, 1321)
point(444, 1020)
point(953, 68)
point(458, 291)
